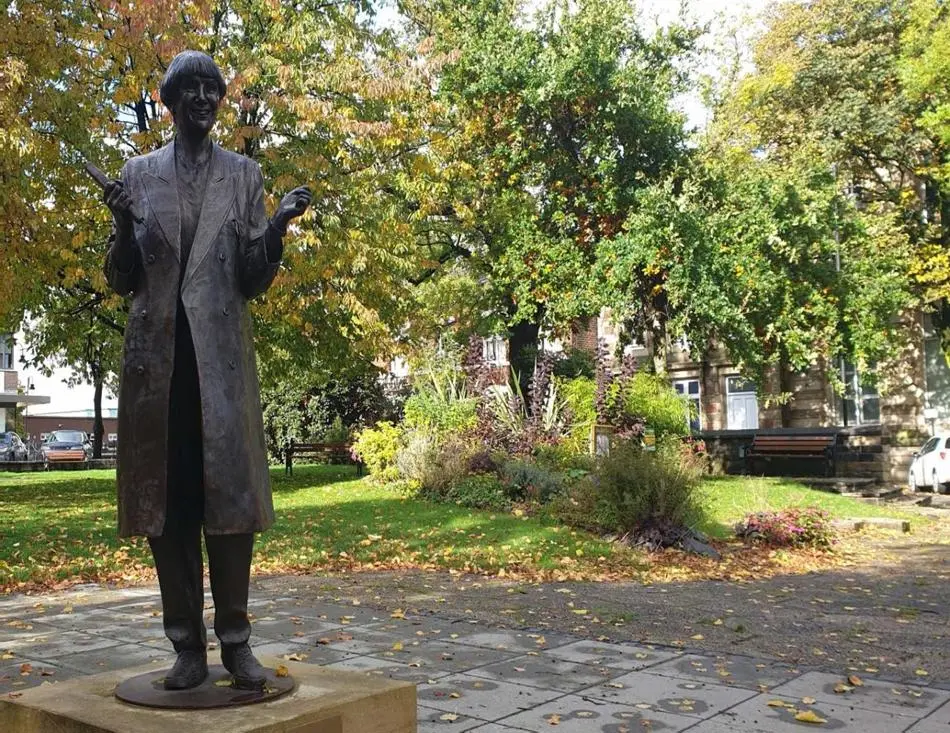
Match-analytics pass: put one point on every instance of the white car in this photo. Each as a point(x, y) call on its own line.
point(930, 468)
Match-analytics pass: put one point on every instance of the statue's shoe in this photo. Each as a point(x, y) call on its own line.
point(243, 665)
point(190, 670)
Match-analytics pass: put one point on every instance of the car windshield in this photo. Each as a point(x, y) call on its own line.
point(67, 436)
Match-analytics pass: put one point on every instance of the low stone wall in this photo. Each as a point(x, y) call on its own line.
point(862, 452)
point(22, 466)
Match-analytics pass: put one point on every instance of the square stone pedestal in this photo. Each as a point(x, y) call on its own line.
point(325, 701)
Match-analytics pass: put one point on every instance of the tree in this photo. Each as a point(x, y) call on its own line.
point(316, 94)
point(556, 122)
point(770, 261)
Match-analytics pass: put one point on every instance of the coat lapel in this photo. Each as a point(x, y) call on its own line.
point(161, 188)
point(219, 194)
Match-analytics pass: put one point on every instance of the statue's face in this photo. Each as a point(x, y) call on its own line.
point(197, 105)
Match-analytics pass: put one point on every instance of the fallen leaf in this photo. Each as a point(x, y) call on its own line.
point(697, 637)
point(841, 688)
point(809, 716)
point(223, 683)
point(397, 647)
point(777, 704)
point(808, 700)
point(554, 719)
point(295, 657)
point(449, 717)
point(921, 672)
point(454, 695)
point(853, 679)
point(282, 671)
point(398, 613)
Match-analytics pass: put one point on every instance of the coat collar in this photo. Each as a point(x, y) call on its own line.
point(161, 187)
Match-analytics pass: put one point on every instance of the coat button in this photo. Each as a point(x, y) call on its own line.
point(150, 259)
point(140, 369)
point(144, 314)
point(232, 364)
point(225, 311)
point(221, 256)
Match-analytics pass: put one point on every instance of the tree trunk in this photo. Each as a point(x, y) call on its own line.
point(97, 427)
point(523, 351)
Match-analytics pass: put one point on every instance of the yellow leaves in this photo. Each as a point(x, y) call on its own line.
point(554, 719)
point(921, 672)
point(856, 681)
point(397, 647)
point(398, 613)
point(224, 683)
point(809, 716)
point(282, 671)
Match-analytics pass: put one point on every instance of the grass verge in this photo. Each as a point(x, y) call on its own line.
point(59, 527)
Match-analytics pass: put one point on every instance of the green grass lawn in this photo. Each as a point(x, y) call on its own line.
point(727, 499)
point(61, 526)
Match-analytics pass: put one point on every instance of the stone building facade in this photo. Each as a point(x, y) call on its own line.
point(877, 428)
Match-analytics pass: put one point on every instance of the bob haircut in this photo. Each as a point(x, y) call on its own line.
point(186, 65)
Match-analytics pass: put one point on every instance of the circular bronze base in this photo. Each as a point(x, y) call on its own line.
point(215, 692)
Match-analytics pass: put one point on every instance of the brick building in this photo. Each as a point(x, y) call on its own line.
point(13, 395)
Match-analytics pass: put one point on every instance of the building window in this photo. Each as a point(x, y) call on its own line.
point(495, 350)
point(861, 404)
point(6, 352)
point(689, 389)
point(742, 406)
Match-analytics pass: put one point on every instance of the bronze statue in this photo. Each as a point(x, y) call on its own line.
point(192, 245)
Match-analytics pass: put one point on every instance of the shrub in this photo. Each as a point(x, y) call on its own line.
point(807, 527)
point(434, 465)
point(529, 481)
point(651, 397)
point(378, 447)
point(479, 491)
point(579, 395)
point(439, 413)
point(651, 495)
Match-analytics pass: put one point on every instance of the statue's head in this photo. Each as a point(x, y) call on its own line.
point(192, 90)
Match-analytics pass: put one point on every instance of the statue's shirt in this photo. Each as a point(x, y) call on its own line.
point(192, 183)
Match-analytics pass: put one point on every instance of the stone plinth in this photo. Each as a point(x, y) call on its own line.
point(325, 701)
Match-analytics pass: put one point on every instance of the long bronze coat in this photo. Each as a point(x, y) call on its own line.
point(228, 266)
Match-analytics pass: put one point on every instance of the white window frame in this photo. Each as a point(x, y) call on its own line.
point(495, 350)
point(860, 395)
point(730, 393)
point(6, 352)
point(691, 399)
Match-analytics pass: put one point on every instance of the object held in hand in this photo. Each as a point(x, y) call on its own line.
point(103, 180)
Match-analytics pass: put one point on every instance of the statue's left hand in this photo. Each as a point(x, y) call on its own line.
point(293, 205)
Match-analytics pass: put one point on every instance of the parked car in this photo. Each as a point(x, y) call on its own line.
point(66, 446)
point(12, 448)
point(930, 468)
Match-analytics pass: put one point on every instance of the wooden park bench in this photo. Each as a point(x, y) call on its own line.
point(324, 452)
point(812, 447)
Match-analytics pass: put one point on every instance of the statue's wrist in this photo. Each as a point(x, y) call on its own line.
point(280, 227)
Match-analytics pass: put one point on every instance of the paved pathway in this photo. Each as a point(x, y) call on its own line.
point(472, 676)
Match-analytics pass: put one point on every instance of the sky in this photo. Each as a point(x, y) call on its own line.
point(721, 14)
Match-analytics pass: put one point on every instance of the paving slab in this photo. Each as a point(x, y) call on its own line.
point(476, 697)
point(573, 714)
point(377, 667)
point(116, 657)
point(682, 697)
point(870, 695)
point(518, 641)
point(747, 672)
point(547, 673)
point(757, 716)
point(620, 656)
point(58, 643)
point(433, 720)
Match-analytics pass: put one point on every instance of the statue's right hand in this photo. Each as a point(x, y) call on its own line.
point(119, 202)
